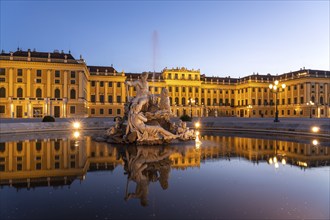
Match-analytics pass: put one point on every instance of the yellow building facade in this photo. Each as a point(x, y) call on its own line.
point(35, 84)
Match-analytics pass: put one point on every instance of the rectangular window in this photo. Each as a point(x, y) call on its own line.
point(57, 73)
point(118, 99)
point(2, 79)
point(101, 111)
point(259, 101)
point(19, 80)
point(92, 98)
point(118, 111)
point(301, 100)
point(288, 88)
point(101, 84)
point(93, 111)
point(72, 109)
point(289, 101)
point(176, 89)
point(118, 84)
point(57, 81)
point(2, 109)
point(288, 112)
point(295, 100)
point(156, 89)
point(110, 98)
point(232, 91)
point(253, 101)
point(73, 81)
point(101, 98)
point(301, 86)
point(92, 83)
point(170, 89)
point(183, 89)
point(73, 74)
point(253, 89)
point(295, 87)
point(19, 72)
point(109, 84)
point(110, 111)
point(2, 71)
point(39, 73)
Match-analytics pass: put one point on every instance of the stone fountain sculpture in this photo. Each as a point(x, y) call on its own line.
point(147, 119)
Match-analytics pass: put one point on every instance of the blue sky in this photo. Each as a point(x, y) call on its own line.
point(221, 38)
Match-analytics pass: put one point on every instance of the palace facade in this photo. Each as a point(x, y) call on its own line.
point(35, 84)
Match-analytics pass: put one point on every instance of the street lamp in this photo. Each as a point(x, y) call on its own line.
point(276, 89)
point(191, 101)
point(249, 107)
point(310, 103)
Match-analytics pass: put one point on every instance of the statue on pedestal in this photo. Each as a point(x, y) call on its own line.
point(147, 118)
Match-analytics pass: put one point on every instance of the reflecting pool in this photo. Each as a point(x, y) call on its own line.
point(60, 176)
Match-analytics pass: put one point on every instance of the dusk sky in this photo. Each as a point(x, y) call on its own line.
point(221, 38)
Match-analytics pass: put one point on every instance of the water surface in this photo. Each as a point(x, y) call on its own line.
point(57, 176)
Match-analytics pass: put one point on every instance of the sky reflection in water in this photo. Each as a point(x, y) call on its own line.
point(226, 177)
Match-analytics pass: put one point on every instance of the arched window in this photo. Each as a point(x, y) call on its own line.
point(183, 100)
point(39, 93)
point(20, 93)
point(57, 93)
point(313, 99)
point(72, 94)
point(2, 92)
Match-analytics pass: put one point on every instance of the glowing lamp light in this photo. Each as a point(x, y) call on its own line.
point(276, 165)
point(270, 161)
point(315, 142)
point(76, 134)
point(283, 161)
point(197, 125)
point(315, 129)
point(76, 125)
point(275, 160)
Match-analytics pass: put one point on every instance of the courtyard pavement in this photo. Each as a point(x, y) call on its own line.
point(299, 126)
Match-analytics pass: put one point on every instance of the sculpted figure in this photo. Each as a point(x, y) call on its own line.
point(184, 132)
point(115, 133)
point(141, 86)
point(136, 123)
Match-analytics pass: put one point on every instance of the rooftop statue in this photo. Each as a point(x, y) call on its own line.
point(147, 119)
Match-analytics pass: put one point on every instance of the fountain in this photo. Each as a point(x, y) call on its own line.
point(147, 119)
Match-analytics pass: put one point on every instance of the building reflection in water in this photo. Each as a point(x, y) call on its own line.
point(59, 162)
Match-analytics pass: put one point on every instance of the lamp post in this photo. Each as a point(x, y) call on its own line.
point(191, 101)
point(310, 103)
point(249, 107)
point(275, 89)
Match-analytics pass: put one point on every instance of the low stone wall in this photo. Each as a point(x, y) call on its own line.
point(286, 125)
point(6, 128)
